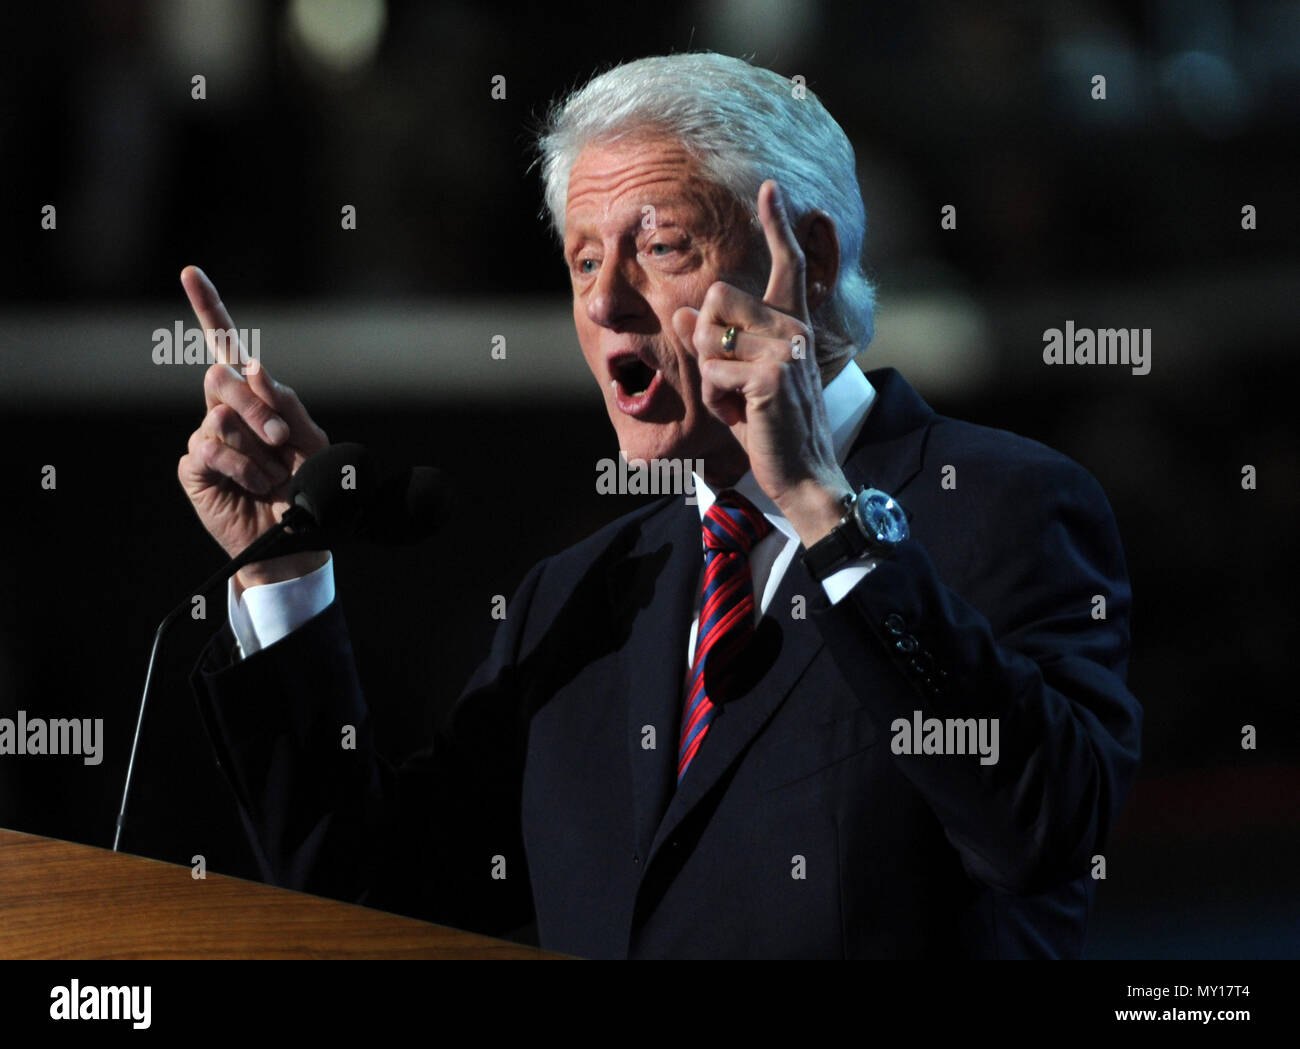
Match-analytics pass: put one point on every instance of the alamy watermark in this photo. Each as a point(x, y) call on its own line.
point(182, 345)
point(23, 736)
point(1124, 346)
point(648, 476)
point(75, 1002)
point(922, 735)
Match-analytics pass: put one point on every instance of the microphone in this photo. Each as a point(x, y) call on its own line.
point(350, 494)
point(341, 494)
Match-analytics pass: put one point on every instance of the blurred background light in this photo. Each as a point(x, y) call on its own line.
point(341, 35)
point(1206, 92)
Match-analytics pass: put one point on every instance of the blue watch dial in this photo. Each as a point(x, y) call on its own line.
point(881, 518)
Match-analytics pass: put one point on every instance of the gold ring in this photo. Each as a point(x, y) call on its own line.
point(729, 342)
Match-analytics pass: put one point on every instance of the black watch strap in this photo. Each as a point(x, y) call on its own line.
point(844, 543)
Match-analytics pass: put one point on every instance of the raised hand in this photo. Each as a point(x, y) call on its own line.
point(255, 435)
point(768, 387)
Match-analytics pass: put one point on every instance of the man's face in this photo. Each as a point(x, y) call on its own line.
point(644, 235)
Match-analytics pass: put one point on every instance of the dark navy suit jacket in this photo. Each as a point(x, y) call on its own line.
point(797, 832)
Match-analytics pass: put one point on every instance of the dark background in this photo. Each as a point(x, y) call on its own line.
point(1124, 212)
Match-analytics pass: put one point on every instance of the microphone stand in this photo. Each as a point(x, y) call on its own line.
point(293, 534)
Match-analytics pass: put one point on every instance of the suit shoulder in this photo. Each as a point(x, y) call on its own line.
point(976, 444)
point(608, 540)
point(1010, 484)
point(1013, 491)
point(1003, 459)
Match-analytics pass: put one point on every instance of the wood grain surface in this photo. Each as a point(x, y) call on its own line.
point(63, 900)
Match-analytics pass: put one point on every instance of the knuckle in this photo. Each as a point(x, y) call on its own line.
point(220, 418)
point(217, 378)
point(208, 453)
point(229, 427)
point(212, 379)
point(256, 412)
point(247, 474)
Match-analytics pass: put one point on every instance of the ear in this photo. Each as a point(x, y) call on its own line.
point(821, 249)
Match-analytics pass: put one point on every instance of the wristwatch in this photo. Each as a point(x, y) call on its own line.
point(873, 524)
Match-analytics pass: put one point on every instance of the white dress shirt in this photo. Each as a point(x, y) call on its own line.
point(849, 397)
point(262, 615)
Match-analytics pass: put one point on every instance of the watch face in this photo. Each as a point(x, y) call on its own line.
point(881, 517)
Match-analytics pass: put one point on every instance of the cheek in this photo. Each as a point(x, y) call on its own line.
point(692, 292)
point(689, 293)
point(589, 343)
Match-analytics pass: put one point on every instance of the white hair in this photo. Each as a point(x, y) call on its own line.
point(742, 124)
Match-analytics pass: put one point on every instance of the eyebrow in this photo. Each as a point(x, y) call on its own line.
point(584, 233)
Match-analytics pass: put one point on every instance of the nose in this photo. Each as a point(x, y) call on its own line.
point(614, 300)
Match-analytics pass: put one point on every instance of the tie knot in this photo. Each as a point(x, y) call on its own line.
point(733, 523)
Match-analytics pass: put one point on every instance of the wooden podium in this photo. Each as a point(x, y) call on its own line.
point(62, 900)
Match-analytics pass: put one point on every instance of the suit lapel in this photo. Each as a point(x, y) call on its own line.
point(888, 452)
point(656, 590)
point(781, 650)
point(886, 455)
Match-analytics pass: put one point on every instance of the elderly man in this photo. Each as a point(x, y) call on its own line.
point(857, 702)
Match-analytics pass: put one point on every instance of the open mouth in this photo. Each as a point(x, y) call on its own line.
point(633, 375)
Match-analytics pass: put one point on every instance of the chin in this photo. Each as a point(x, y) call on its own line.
point(650, 441)
point(677, 440)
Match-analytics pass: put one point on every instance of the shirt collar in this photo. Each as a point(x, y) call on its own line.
point(848, 397)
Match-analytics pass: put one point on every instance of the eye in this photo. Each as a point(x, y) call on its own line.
point(654, 248)
point(583, 265)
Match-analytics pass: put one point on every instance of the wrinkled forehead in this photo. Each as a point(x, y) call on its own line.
point(640, 179)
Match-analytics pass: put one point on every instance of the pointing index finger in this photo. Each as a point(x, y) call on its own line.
point(219, 332)
point(225, 342)
point(270, 408)
point(204, 300)
point(785, 284)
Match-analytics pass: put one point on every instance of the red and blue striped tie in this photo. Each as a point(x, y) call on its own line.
point(731, 528)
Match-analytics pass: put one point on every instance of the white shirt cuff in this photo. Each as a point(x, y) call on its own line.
point(262, 615)
point(840, 582)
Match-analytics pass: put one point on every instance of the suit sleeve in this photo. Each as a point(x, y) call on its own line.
point(431, 836)
point(1023, 646)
